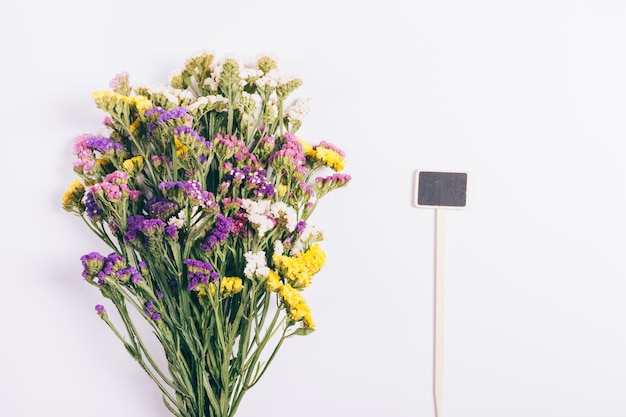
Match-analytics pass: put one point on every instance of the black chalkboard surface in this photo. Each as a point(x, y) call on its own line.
point(441, 189)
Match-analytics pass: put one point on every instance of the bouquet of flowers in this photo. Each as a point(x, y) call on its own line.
point(203, 192)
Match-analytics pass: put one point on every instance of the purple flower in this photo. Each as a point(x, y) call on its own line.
point(186, 130)
point(253, 179)
point(154, 110)
point(199, 272)
point(162, 208)
point(130, 273)
point(120, 83)
point(143, 268)
point(97, 267)
point(103, 144)
point(219, 234)
point(325, 184)
point(240, 220)
point(171, 231)
point(92, 208)
point(337, 179)
point(86, 161)
point(228, 146)
point(114, 187)
point(191, 189)
point(134, 227)
point(100, 309)
point(113, 263)
point(151, 227)
point(150, 311)
point(92, 264)
point(291, 155)
point(265, 189)
point(172, 114)
point(195, 192)
point(150, 231)
point(265, 146)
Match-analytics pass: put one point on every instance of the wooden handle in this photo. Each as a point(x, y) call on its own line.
point(439, 289)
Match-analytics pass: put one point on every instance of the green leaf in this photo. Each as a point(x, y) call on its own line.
point(302, 331)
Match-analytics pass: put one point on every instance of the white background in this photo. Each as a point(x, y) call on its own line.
point(528, 97)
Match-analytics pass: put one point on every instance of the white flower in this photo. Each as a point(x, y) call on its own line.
point(212, 82)
point(256, 207)
point(262, 272)
point(175, 73)
point(248, 73)
point(183, 94)
point(300, 108)
point(264, 213)
point(178, 221)
point(251, 97)
point(271, 79)
point(310, 235)
point(217, 99)
point(280, 210)
point(206, 101)
point(256, 265)
point(200, 53)
point(159, 89)
point(279, 248)
point(217, 65)
point(248, 119)
point(257, 214)
point(200, 101)
point(296, 248)
point(262, 223)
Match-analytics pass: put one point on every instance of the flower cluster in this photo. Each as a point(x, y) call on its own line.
point(203, 191)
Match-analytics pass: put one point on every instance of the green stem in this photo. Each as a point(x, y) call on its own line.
point(101, 233)
point(271, 358)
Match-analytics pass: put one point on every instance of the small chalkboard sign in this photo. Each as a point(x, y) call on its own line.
point(440, 189)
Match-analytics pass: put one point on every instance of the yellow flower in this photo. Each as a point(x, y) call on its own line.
point(330, 158)
point(142, 103)
point(133, 128)
point(306, 147)
point(296, 305)
point(299, 269)
point(273, 281)
point(181, 150)
point(307, 321)
point(133, 165)
point(231, 285)
point(117, 103)
point(73, 197)
point(203, 288)
point(102, 162)
point(105, 96)
point(281, 190)
point(314, 258)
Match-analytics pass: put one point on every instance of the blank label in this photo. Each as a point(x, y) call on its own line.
point(441, 189)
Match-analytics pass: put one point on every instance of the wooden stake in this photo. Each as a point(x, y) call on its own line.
point(439, 190)
point(439, 310)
